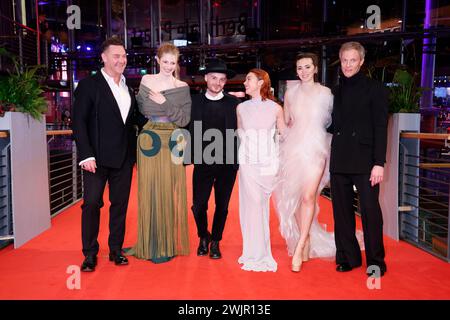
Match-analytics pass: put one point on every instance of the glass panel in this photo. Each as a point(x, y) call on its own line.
point(180, 21)
point(292, 18)
point(350, 17)
point(231, 19)
point(117, 19)
point(138, 23)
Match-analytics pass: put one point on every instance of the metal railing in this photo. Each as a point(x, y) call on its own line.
point(65, 176)
point(424, 193)
point(6, 223)
point(23, 42)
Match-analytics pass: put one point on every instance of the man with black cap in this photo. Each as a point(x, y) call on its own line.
point(215, 161)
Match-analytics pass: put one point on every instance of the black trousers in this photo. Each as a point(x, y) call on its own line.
point(347, 248)
point(119, 181)
point(222, 177)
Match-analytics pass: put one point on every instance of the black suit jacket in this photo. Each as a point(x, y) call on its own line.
point(230, 103)
point(359, 125)
point(98, 127)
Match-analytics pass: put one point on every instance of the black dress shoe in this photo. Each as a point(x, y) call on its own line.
point(203, 245)
point(374, 272)
point(214, 250)
point(89, 264)
point(344, 267)
point(118, 258)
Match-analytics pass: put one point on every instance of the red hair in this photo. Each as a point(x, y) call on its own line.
point(265, 92)
point(167, 47)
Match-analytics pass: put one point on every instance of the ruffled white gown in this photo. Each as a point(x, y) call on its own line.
point(304, 154)
point(258, 166)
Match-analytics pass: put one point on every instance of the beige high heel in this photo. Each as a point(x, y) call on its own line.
point(305, 252)
point(294, 266)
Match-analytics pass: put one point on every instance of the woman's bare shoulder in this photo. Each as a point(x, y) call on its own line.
point(148, 80)
point(278, 107)
point(239, 107)
point(180, 83)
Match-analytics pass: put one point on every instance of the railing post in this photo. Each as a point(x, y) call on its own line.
point(49, 167)
point(5, 209)
point(409, 193)
point(8, 189)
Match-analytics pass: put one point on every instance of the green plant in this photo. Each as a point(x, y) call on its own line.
point(23, 90)
point(405, 94)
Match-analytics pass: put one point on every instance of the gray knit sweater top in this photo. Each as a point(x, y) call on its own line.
point(177, 106)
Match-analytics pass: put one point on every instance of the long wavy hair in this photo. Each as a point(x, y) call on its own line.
point(266, 88)
point(167, 47)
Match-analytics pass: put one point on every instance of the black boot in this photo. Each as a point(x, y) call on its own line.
point(215, 250)
point(203, 245)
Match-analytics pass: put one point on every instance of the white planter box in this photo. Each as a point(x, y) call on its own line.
point(29, 175)
point(389, 189)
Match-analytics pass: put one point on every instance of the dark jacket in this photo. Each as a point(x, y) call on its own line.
point(359, 125)
point(230, 103)
point(98, 128)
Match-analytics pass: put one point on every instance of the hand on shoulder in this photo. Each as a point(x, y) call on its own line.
point(237, 94)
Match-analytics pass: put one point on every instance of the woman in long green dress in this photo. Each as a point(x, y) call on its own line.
point(162, 199)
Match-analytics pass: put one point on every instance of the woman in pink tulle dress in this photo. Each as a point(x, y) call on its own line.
point(260, 121)
point(304, 156)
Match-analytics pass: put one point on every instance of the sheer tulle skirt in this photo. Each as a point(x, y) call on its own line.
point(304, 158)
point(303, 161)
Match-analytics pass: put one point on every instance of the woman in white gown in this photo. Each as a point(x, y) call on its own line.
point(260, 120)
point(304, 156)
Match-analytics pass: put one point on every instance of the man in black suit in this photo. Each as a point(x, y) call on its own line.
point(213, 112)
point(104, 118)
point(358, 154)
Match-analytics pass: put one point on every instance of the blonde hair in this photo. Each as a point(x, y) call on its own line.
point(353, 45)
point(167, 47)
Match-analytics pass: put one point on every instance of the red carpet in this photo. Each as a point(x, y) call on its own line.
point(38, 269)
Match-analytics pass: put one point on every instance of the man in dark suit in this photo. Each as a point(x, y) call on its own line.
point(104, 118)
point(358, 154)
point(213, 113)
